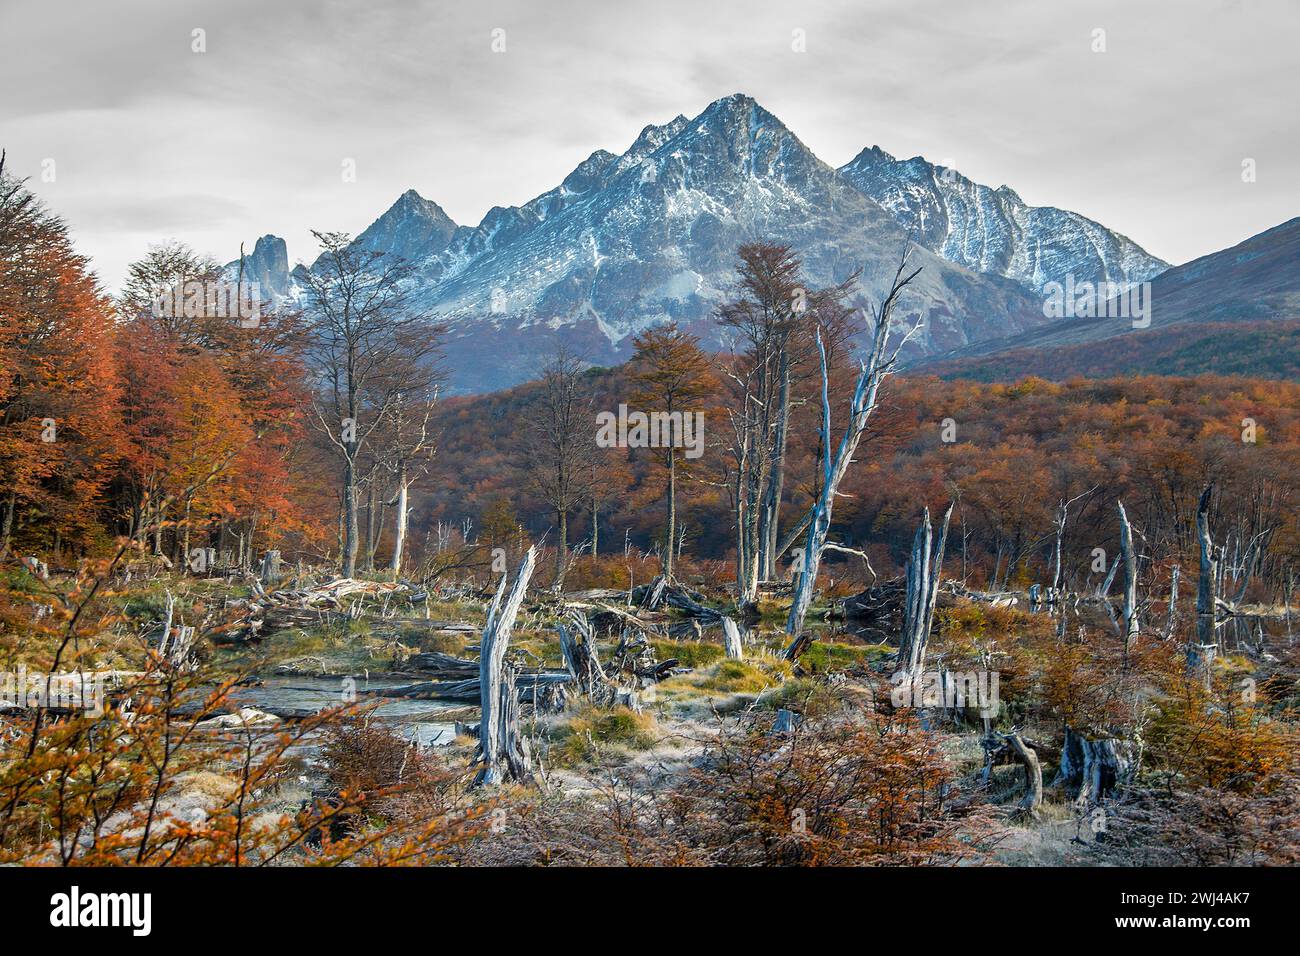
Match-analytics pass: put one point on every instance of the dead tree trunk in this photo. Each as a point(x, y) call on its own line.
point(834, 467)
point(923, 572)
point(401, 499)
point(1172, 620)
point(1062, 518)
point(578, 646)
point(1103, 768)
point(731, 639)
point(1202, 651)
point(165, 639)
point(655, 595)
point(1095, 766)
point(1206, 594)
point(1033, 798)
point(269, 573)
point(1130, 577)
point(502, 751)
point(1103, 589)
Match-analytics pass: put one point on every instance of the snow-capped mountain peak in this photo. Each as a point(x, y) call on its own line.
point(412, 228)
point(994, 230)
point(632, 240)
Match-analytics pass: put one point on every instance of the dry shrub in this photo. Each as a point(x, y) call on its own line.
point(142, 788)
point(1206, 827)
point(831, 793)
point(1213, 738)
point(592, 733)
point(624, 571)
point(399, 782)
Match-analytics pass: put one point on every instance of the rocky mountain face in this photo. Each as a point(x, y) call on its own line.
point(412, 229)
point(629, 241)
point(636, 240)
point(1256, 281)
point(268, 266)
point(993, 230)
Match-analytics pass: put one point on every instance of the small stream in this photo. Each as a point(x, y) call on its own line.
point(415, 719)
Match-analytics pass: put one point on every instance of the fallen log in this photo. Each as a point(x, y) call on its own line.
point(592, 594)
point(469, 691)
point(605, 615)
point(442, 666)
point(678, 597)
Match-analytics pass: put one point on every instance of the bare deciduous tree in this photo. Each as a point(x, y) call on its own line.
point(777, 319)
point(370, 346)
point(834, 466)
point(407, 454)
point(561, 444)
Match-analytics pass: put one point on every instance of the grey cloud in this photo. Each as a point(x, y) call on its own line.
point(1147, 137)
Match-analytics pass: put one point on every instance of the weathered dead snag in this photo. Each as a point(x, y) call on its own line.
point(269, 573)
point(502, 751)
point(1131, 626)
point(578, 646)
point(731, 639)
point(924, 569)
point(653, 595)
point(1033, 798)
point(1005, 748)
point(1207, 596)
point(1096, 766)
point(836, 465)
point(1171, 621)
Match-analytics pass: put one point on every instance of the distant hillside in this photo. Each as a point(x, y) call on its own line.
point(1254, 349)
point(1255, 281)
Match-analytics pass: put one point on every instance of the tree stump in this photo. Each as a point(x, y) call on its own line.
point(731, 639)
point(269, 573)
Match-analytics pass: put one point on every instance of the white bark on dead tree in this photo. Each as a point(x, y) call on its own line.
point(731, 639)
point(1130, 576)
point(578, 647)
point(403, 522)
point(1206, 594)
point(1062, 518)
point(874, 371)
point(1103, 589)
point(269, 573)
point(503, 752)
point(924, 569)
point(1171, 621)
point(1033, 798)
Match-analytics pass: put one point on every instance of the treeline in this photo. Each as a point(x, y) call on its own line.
point(1009, 455)
point(183, 429)
point(319, 432)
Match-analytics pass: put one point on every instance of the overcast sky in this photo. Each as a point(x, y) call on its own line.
point(152, 141)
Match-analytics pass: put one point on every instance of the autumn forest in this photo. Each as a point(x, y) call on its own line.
point(277, 594)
